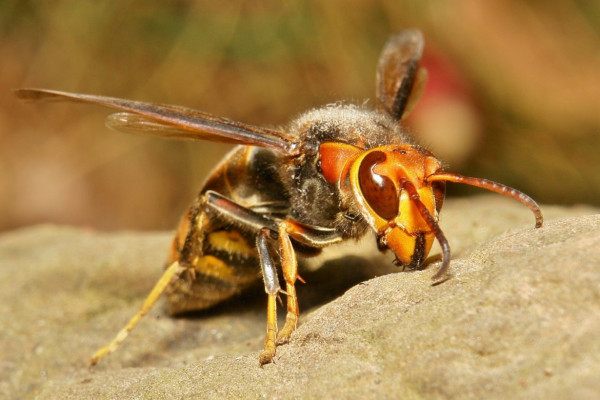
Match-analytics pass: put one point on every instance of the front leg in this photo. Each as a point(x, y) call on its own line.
point(310, 236)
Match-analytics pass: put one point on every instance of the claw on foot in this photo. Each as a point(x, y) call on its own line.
point(266, 356)
point(291, 322)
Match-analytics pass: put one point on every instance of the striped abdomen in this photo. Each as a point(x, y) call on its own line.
point(221, 258)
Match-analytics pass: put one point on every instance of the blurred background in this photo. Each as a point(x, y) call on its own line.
point(513, 93)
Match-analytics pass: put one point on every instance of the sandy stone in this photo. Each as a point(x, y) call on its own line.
point(519, 317)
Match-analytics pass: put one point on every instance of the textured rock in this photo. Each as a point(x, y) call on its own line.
point(518, 318)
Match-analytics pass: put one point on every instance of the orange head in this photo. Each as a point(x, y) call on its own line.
point(389, 186)
point(399, 191)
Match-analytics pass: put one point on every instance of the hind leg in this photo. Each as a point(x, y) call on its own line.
point(158, 289)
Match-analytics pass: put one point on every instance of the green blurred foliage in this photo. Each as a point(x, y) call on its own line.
point(532, 69)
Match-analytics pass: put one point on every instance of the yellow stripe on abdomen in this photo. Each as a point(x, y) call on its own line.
point(231, 242)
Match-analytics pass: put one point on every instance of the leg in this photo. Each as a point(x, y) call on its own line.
point(272, 288)
point(179, 256)
point(173, 270)
point(289, 266)
point(308, 235)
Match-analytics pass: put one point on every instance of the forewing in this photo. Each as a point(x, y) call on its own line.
point(172, 121)
point(137, 124)
point(400, 80)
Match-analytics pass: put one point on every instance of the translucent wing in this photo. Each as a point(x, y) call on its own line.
point(400, 80)
point(172, 121)
point(137, 124)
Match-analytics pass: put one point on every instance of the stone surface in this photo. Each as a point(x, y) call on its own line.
point(519, 317)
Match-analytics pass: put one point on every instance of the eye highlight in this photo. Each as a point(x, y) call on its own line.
point(378, 190)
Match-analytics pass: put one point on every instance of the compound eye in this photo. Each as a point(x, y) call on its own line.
point(379, 191)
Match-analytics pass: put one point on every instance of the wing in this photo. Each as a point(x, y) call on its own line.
point(173, 121)
point(400, 80)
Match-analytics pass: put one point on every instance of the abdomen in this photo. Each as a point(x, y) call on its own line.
point(221, 259)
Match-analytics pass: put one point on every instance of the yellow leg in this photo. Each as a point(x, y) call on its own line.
point(291, 319)
point(266, 356)
point(158, 289)
point(289, 266)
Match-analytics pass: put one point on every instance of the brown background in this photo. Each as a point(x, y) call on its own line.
point(514, 93)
